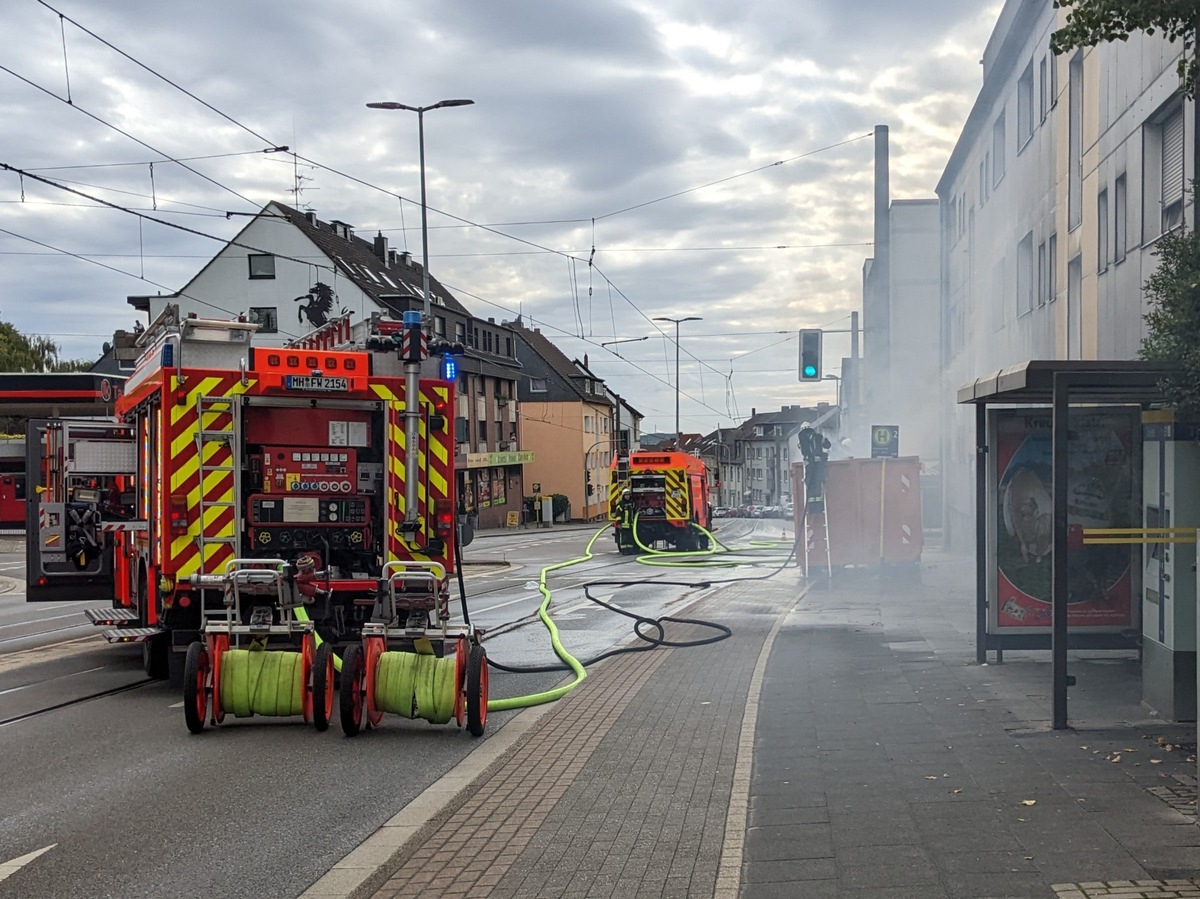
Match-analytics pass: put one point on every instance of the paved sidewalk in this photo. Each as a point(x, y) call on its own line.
point(889, 764)
point(843, 743)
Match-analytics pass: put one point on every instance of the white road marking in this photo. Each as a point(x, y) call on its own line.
point(175, 705)
point(7, 869)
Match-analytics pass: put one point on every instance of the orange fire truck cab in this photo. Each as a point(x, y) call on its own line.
point(235, 453)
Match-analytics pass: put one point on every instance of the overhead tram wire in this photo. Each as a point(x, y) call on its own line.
point(119, 271)
point(166, 157)
point(160, 76)
point(761, 168)
point(547, 325)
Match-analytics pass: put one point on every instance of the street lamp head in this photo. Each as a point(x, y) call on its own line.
point(667, 318)
point(441, 104)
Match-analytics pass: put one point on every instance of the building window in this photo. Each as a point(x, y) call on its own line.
point(1172, 171)
point(1102, 230)
point(1043, 90)
point(1051, 267)
point(1120, 229)
point(266, 317)
point(983, 185)
point(587, 424)
point(998, 151)
point(537, 385)
point(1041, 274)
point(1053, 80)
point(1074, 313)
point(460, 332)
point(482, 430)
point(1075, 144)
point(439, 325)
point(262, 266)
point(1025, 300)
point(1025, 106)
point(508, 347)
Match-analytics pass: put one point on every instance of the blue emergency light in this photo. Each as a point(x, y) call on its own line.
point(449, 368)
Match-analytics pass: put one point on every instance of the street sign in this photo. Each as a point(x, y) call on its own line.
point(885, 441)
point(537, 488)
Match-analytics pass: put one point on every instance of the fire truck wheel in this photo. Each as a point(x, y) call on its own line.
point(156, 657)
point(195, 687)
point(322, 687)
point(354, 676)
point(477, 690)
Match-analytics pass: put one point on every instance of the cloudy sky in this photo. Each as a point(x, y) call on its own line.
point(706, 158)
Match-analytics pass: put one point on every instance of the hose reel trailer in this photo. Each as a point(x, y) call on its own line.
point(258, 656)
point(410, 662)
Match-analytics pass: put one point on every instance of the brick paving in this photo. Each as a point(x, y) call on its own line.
point(622, 791)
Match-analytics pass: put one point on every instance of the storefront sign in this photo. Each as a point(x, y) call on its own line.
point(485, 460)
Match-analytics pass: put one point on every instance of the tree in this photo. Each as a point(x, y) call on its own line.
point(1092, 22)
point(19, 352)
point(1173, 321)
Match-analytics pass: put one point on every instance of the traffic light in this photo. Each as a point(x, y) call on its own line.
point(810, 354)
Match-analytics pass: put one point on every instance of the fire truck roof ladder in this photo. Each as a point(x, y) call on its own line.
point(216, 437)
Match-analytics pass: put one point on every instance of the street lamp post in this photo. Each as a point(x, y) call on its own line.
point(677, 321)
point(420, 111)
point(412, 365)
point(838, 388)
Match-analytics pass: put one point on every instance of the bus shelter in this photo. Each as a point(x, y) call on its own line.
point(1085, 406)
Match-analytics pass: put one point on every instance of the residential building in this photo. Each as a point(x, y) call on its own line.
point(568, 416)
point(1067, 171)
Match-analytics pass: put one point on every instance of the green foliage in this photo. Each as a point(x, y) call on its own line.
point(1091, 22)
point(1173, 322)
point(19, 352)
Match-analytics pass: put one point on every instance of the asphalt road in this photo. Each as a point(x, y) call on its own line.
point(103, 771)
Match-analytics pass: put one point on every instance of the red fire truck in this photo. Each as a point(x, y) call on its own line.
point(223, 452)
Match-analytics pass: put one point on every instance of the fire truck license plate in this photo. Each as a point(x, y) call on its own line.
point(303, 382)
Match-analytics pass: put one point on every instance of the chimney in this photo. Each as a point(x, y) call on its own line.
point(393, 257)
point(311, 217)
point(406, 258)
point(753, 412)
point(381, 247)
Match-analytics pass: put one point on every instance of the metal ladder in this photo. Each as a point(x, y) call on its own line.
point(816, 508)
point(208, 407)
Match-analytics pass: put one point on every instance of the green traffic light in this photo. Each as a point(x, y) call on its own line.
point(810, 371)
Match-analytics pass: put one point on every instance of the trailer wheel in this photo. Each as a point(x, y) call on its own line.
point(322, 686)
point(195, 687)
point(477, 690)
point(375, 647)
point(220, 644)
point(354, 683)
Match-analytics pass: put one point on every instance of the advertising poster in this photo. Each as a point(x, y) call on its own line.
point(483, 491)
point(499, 497)
point(1100, 494)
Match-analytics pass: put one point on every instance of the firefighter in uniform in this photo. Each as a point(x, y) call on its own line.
point(625, 513)
point(814, 447)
